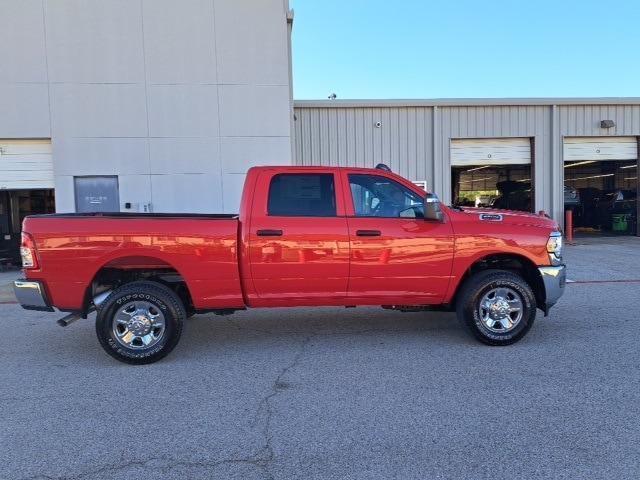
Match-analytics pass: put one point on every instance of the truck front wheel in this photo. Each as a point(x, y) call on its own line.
point(498, 307)
point(140, 322)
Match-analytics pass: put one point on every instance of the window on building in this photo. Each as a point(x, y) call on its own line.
point(302, 195)
point(377, 196)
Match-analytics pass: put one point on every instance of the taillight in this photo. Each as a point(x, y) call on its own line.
point(28, 251)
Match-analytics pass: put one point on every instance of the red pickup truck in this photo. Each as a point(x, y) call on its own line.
point(305, 236)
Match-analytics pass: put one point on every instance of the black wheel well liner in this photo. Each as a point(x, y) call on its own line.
point(111, 277)
point(510, 262)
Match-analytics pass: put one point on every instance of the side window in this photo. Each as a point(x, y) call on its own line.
point(377, 196)
point(302, 195)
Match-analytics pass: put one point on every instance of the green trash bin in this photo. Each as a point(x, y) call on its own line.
point(620, 222)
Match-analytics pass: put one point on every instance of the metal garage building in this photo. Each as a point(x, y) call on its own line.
point(554, 147)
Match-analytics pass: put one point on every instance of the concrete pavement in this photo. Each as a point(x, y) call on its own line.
point(6, 288)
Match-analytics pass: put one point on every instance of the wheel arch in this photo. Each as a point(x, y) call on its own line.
point(121, 270)
point(512, 262)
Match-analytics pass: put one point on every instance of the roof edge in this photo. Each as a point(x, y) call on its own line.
point(463, 102)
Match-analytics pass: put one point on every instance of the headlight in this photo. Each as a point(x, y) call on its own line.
point(554, 245)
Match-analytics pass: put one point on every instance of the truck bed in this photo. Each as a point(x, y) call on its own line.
point(73, 248)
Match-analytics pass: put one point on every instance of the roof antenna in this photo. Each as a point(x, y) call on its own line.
point(383, 166)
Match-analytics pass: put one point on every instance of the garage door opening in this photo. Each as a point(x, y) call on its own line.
point(492, 173)
point(14, 206)
point(601, 184)
point(26, 188)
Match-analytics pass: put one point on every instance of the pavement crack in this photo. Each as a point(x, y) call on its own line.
point(169, 465)
point(266, 455)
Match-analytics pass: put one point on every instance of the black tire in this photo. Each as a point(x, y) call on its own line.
point(474, 290)
point(161, 299)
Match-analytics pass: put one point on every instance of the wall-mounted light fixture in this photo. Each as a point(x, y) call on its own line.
point(607, 124)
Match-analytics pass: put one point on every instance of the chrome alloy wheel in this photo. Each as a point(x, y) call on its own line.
point(501, 309)
point(138, 324)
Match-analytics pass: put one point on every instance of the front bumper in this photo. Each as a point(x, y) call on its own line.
point(554, 280)
point(31, 295)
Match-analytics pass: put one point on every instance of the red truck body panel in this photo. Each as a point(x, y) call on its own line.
point(517, 234)
point(72, 250)
point(227, 264)
point(310, 260)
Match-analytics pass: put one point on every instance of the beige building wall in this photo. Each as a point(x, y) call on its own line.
point(178, 98)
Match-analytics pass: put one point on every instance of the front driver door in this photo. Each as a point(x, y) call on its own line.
point(396, 255)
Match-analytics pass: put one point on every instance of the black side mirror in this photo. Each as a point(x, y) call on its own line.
point(432, 210)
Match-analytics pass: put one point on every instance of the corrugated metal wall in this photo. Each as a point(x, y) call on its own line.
point(349, 137)
point(495, 122)
point(584, 120)
point(415, 140)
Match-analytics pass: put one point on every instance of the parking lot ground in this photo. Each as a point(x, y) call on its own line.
point(337, 394)
point(6, 290)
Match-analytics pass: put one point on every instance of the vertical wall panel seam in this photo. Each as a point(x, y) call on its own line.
point(146, 105)
point(218, 93)
point(46, 67)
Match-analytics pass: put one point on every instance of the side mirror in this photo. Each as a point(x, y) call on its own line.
point(432, 210)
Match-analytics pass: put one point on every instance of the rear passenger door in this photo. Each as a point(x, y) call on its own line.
point(298, 237)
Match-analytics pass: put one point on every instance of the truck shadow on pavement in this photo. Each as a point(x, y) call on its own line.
point(207, 332)
point(210, 335)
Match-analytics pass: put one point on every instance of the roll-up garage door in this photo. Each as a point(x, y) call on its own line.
point(490, 151)
point(600, 148)
point(25, 164)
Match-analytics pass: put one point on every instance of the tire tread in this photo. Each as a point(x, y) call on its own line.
point(475, 284)
point(163, 293)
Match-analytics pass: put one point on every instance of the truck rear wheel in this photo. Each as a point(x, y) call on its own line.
point(140, 322)
point(498, 307)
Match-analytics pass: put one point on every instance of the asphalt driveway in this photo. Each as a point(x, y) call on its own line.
point(337, 394)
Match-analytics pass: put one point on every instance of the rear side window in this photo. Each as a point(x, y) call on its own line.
point(302, 195)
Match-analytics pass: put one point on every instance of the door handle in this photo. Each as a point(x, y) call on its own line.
point(269, 233)
point(368, 233)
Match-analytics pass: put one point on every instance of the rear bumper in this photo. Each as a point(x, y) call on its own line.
point(31, 295)
point(554, 280)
